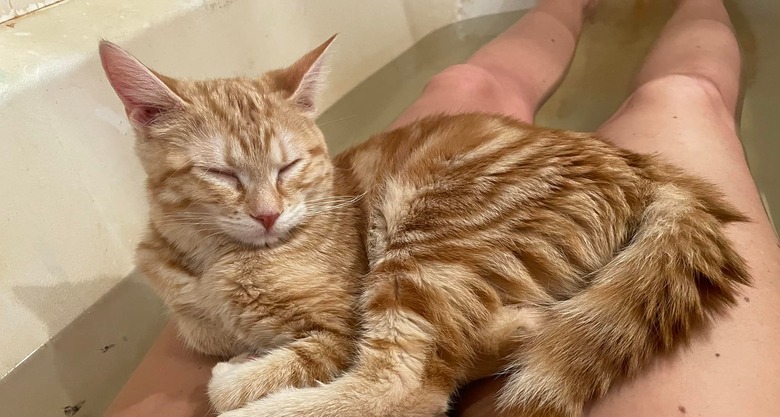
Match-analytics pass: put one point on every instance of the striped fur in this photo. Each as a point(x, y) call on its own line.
point(461, 246)
point(568, 262)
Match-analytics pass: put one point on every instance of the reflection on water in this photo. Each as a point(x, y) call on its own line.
point(610, 51)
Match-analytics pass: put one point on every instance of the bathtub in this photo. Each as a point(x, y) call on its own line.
point(74, 316)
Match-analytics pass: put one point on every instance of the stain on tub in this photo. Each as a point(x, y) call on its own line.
point(73, 409)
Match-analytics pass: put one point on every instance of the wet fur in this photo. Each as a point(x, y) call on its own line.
point(461, 246)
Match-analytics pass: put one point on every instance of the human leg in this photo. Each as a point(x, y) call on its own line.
point(514, 73)
point(170, 381)
point(683, 109)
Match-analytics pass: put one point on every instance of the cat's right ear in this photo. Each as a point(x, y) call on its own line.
point(144, 95)
point(305, 79)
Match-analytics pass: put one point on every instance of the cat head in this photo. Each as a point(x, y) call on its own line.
point(236, 158)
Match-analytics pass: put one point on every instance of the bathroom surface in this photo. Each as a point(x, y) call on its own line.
point(80, 370)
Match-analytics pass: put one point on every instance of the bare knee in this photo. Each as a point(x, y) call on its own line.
point(680, 117)
point(477, 89)
point(465, 80)
point(687, 91)
point(709, 57)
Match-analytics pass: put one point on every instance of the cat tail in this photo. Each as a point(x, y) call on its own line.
point(675, 274)
point(396, 373)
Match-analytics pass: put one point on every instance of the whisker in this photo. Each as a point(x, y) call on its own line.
point(335, 120)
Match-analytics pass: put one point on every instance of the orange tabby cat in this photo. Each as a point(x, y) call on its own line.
point(249, 243)
point(463, 245)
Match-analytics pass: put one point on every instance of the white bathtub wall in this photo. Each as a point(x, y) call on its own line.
point(6, 11)
point(73, 204)
point(10, 9)
point(467, 9)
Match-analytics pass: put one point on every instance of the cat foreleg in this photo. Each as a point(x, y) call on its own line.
point(305, 362)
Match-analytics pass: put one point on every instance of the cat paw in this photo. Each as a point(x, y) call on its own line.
point(302, 402)
point(223, 388)
point(245, 378)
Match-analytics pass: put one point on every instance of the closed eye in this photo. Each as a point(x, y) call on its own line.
point(289, 166)
point(223, 174)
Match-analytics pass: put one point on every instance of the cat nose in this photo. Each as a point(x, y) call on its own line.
point(267, 219)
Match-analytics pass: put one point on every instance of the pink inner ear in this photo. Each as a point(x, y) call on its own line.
point(144, 95)
point(142, 116)
point(306, 103)
point(306, 77)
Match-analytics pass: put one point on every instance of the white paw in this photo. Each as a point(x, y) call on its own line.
point(285, 403)
point(224, 387)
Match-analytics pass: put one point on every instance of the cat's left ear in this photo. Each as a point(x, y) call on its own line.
point(144, 93)
point(305, 78)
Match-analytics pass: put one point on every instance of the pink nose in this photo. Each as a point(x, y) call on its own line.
point(267, 219)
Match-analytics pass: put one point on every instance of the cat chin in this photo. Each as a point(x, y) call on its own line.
point(260, 240)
